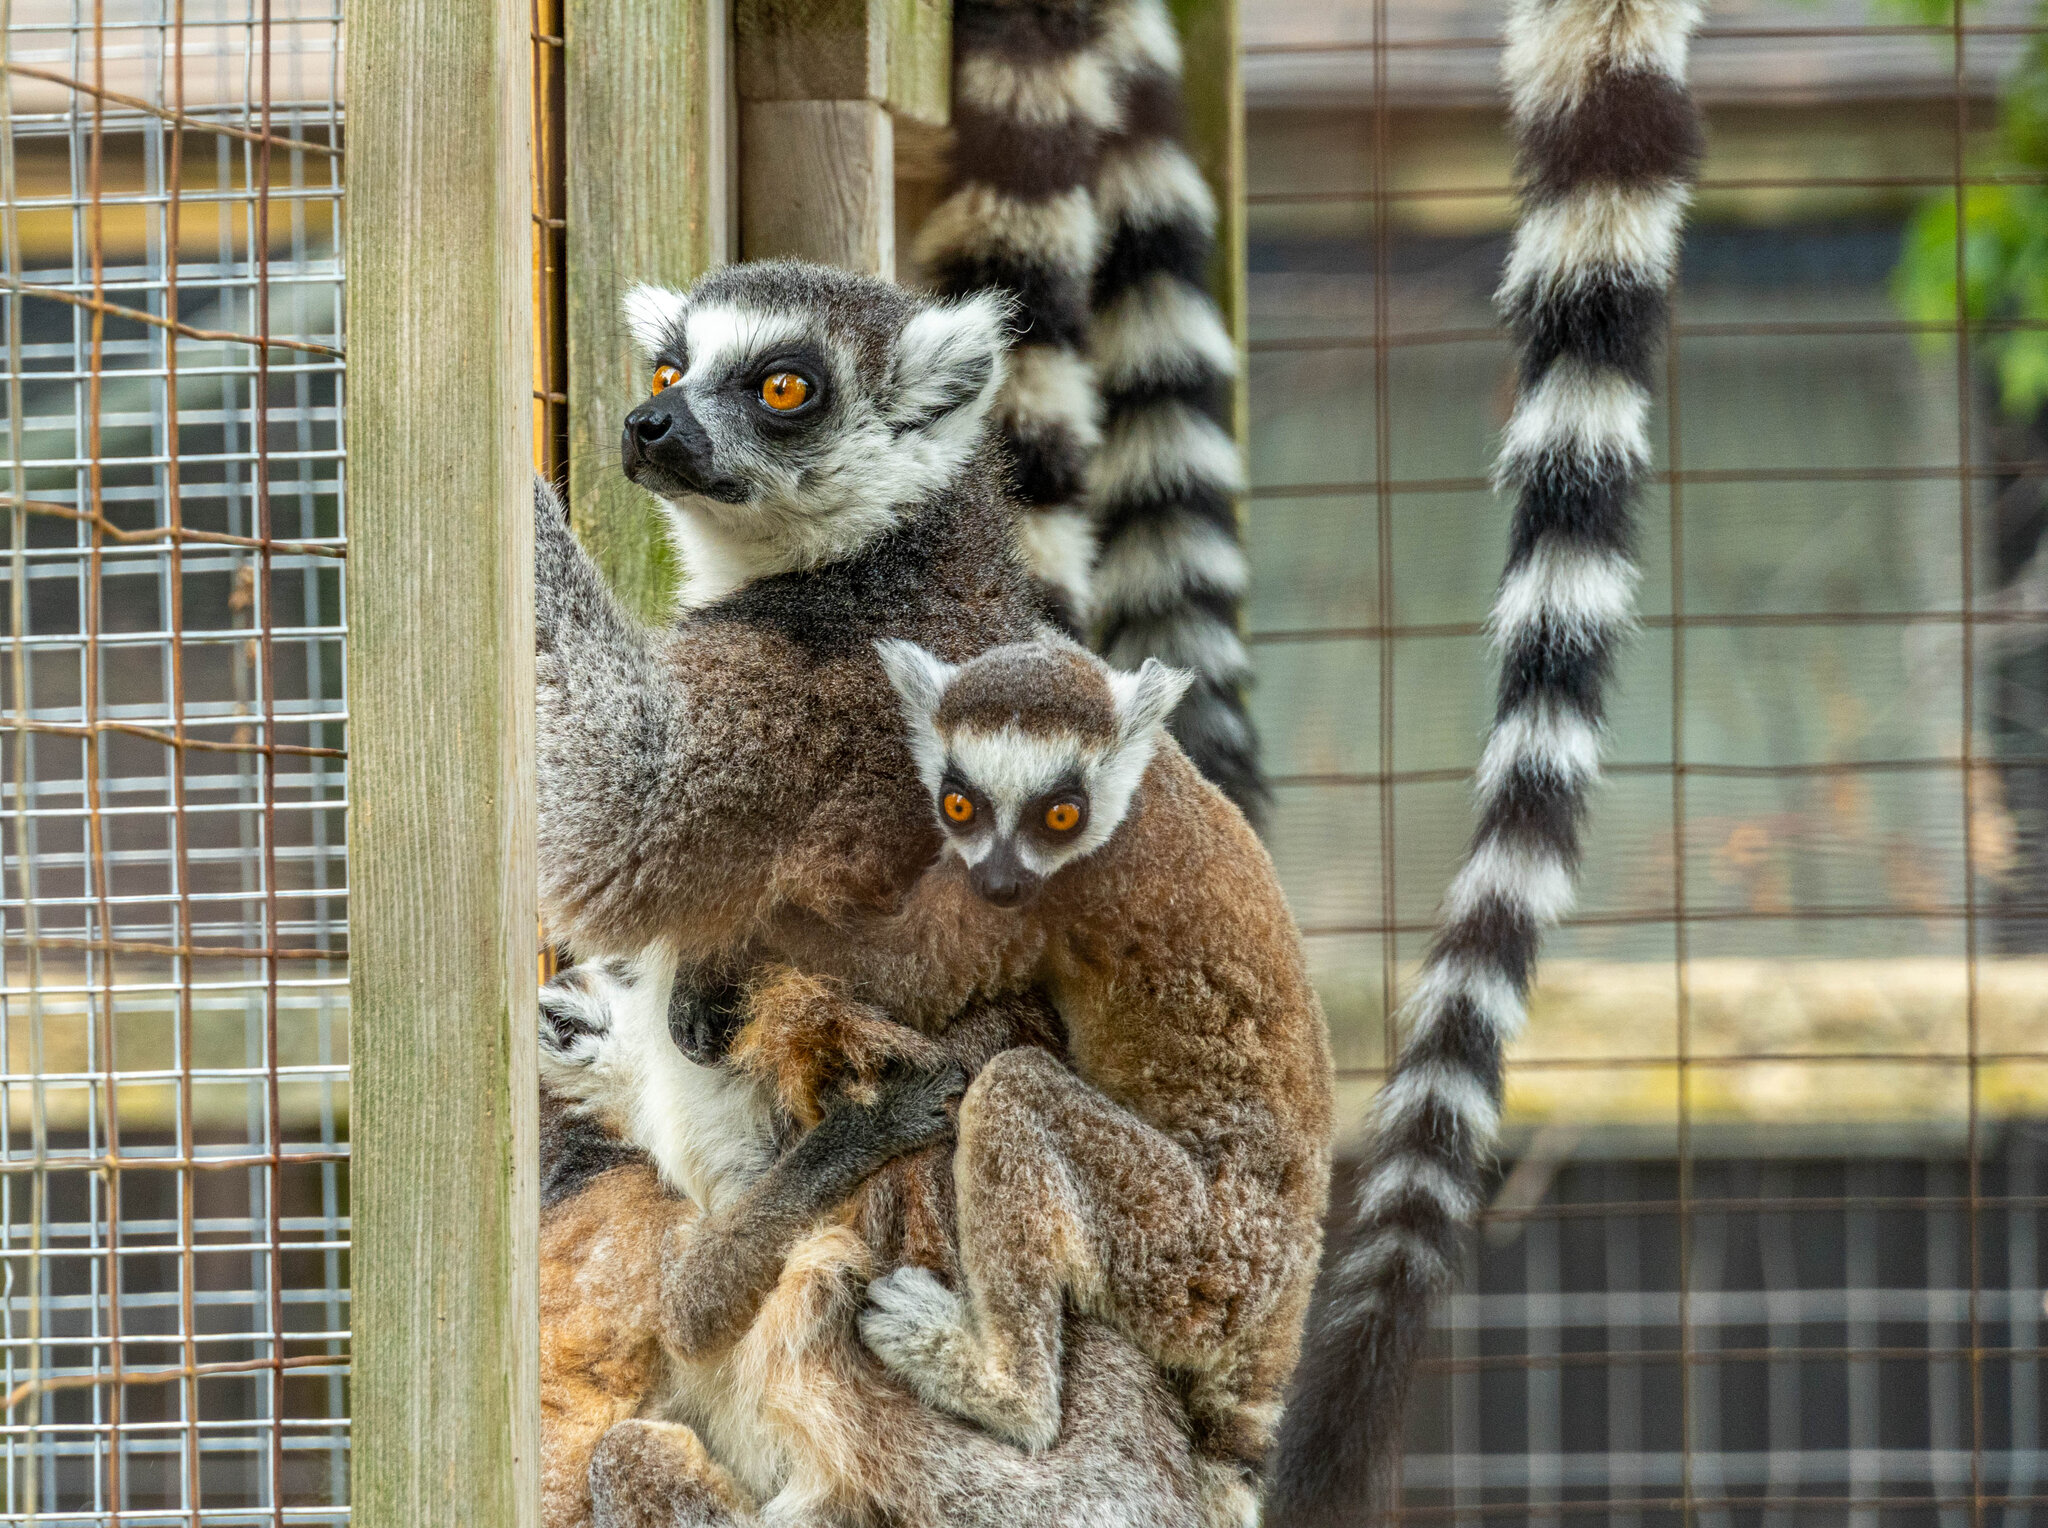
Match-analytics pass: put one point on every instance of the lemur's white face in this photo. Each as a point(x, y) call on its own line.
point(1016, 804)
point(779, 440)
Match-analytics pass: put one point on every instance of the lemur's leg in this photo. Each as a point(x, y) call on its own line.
point(715, 1278)
point(658, 1475)
point(1060, 1190)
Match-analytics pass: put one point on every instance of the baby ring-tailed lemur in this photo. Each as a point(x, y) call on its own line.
point(1174, 1187)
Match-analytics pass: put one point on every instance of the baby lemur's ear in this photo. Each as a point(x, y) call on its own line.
point(949, 361)
point(1145, 699)
point(920, 677)
point(652, 315)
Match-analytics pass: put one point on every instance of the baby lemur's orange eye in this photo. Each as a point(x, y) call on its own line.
point(1063, 817)
point(957, 807)
point(665, 377)
point(785, 391)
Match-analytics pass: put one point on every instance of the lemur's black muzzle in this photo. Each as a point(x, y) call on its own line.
point(664, 448)
point(1002, 879)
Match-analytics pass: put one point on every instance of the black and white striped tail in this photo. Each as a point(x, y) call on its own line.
point(1032, 100)
point(1608, 141)
point(1170, 572)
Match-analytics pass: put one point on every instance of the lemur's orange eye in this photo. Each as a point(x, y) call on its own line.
point(785, 391)
point(1063, 817)
point(957, 807)
point(665, 377)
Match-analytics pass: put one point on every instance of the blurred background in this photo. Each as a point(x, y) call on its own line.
point(1767, 1242)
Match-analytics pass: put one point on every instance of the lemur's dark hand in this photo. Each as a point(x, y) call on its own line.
point(912, 1108)
point(703, 1020)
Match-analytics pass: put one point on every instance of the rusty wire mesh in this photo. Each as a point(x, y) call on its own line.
point(1767, 1244)
point(173, 1197)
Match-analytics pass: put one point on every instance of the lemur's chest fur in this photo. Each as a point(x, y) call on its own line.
point(840, 823)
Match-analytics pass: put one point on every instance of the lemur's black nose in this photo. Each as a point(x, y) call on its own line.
point(664, 447)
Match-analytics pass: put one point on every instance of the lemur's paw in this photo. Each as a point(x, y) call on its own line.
point(576, 1016)
point(704, 1018)
point(918, 1106)
point(916, 1326)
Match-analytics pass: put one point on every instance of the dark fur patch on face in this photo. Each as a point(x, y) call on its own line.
point(1038, 688)
point(1632, 127)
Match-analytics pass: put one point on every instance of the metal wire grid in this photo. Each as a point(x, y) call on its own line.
point(173, 1190)
point(1674, 1315)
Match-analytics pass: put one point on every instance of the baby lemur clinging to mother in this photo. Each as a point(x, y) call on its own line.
point(1171, 1184)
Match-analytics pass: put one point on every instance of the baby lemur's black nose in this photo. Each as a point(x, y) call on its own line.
point(1003, 880)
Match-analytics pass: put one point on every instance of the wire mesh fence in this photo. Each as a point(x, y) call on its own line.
point(173, 1195)
point(1767, 1245)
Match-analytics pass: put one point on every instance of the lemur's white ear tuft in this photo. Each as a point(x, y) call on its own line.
point(653, 314)
point(950, 358)
point(1145, 700)
point(920, 677)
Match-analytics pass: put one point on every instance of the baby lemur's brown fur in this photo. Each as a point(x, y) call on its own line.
point(1175, 1186)
point(654, 1312)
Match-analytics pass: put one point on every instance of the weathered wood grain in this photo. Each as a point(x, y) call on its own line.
point(818, 181)
point(897, 53)
point(650, 198)
point(441, 829)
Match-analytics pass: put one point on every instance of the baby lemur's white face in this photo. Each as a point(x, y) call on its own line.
point(1032, 753)
point(794, 413)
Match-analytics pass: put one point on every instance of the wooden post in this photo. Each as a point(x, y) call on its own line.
point(1213, 88)
point(441, 821)
point(822, 85)
point(650, 168)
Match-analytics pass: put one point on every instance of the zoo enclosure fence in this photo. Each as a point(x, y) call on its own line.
point(174, 1310)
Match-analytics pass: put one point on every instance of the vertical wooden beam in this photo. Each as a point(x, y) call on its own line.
point(650, 172)
point(1213, 89)
point(819, 183)
point(441, 824)
point(822, 85)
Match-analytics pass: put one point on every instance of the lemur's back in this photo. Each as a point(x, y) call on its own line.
point(1179, 971)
